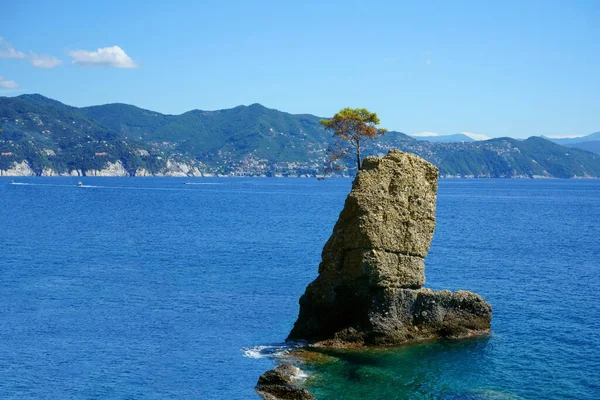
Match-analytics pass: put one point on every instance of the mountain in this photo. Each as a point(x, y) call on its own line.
point(52, 136)
point(589, 143)
point(591, 146)
point(503, 158)
point(246, 139)
point(245, 131)
point(594, 137)
point(42, 136)
point(458, 137)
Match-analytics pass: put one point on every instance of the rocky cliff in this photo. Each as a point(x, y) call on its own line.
point(110, 169)
point(369, 289)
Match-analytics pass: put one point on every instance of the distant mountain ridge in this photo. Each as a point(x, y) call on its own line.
point(591, 146)
point(593, 137)
point(41, 136)
point(457, 137)
point(589, 143)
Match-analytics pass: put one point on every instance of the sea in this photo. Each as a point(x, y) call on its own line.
point(169, 288)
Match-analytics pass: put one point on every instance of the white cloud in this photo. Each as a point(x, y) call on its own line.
point(113, 57)
point(4, 84)
point(43, 61)
point(7, 51)
point(564, 136)
point(476, 136)
point(38, 61)
point(425, 134)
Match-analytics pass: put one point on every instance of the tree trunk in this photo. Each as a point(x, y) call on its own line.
point(358, 157)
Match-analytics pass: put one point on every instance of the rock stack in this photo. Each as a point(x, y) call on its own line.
point(369, 289)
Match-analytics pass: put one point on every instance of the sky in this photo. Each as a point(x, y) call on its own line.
point(489, 68)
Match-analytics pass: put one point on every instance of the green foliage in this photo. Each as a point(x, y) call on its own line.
point(244, 131)
point(352, 128)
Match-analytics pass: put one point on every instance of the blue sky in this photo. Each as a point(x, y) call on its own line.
point(502, 68)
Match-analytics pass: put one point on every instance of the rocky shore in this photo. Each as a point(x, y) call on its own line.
point(280, 383)
point(369, 290)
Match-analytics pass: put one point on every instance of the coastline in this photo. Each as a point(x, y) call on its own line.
point(174, 169)
point(80, 174)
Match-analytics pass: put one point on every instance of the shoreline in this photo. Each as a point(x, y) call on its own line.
point(211, 176)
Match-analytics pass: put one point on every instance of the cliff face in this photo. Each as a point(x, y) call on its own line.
point(369, 286)
point(112, 169)
point(18, 169)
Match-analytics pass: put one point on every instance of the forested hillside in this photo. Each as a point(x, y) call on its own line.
point(54, 138)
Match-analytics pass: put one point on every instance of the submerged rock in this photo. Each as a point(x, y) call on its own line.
point(280, 384)
point(369, 286)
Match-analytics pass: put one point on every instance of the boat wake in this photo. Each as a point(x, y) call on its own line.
point(203, 183)
point(38, 184)
point(81, 185)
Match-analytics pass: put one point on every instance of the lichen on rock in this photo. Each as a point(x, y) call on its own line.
point(369, 288)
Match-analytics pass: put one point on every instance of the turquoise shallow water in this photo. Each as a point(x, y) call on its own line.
point(148, 288)
point(532, 249)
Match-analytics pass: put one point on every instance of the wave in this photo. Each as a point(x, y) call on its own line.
point(274, 351)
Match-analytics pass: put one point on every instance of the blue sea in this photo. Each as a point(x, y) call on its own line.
point(147, 288)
